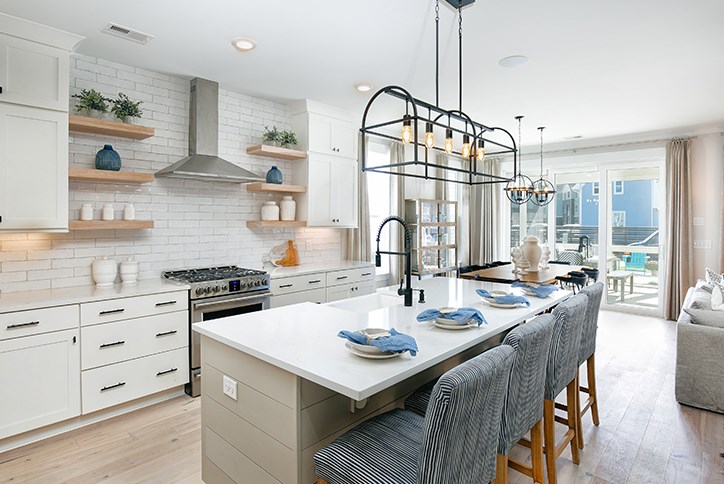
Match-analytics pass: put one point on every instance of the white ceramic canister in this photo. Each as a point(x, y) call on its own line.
point(86, 211)
point(270, 211)
point(129, 272)
point(104, 272)
point(532, 251)
point(129, 212)
point(288, 208)
point(107, 211)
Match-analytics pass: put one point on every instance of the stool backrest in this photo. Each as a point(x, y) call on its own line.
point(565, 344)
point(463, 419)
point(523, 405)
point(590, 324)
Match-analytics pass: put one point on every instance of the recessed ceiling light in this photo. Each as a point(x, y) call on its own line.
point(363, 87)
point(513, 61)
point(243, 44)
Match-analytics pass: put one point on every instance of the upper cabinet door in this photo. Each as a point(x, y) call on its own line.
point(320, 134)
point(33, 74)
point(344, 194)
point(331, 136)
point(319, 190)
point(344, 139)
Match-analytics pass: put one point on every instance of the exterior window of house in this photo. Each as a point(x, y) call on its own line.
point(378, 191)
point(595, 188)
point(618, 218)
point(618, 187)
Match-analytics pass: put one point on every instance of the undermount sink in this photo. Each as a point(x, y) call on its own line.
point(365, 304)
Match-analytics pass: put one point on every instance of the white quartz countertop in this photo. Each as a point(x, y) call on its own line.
point(302, 338)
point(43, 298)
point(312, 267)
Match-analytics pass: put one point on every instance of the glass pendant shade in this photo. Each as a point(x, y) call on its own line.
point(448, 141)
point(406, 129)
point(429, 136)
point(465, 149)
point(519, 189)
point(480, 151)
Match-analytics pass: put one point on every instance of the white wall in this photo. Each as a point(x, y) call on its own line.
point(196, 223)
point(707, 175)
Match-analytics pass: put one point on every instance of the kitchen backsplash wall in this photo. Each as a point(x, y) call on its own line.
point(196, 223)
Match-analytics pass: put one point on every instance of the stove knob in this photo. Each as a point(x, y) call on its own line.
point(207, 289)
point(216, 288)
point(199, 291)
point(258, 282)
point(224, 287)
point(242, 284)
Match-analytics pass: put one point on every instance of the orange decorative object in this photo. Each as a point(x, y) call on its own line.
point(291, 258)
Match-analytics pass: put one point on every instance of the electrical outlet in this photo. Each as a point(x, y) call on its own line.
point(229, 387)
point(698, 221)
point(702, 244)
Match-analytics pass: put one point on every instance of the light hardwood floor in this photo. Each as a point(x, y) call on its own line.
point(644, 436)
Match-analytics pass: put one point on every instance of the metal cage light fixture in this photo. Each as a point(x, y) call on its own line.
point(520, 188)
point(543, 189)
point(455, 123)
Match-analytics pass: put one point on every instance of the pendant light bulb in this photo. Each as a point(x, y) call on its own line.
point(465, 150)
point(480, 150)
point(429, 136)
point(406, 129)
point(448, 141)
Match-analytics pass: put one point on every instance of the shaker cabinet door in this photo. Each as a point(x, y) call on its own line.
point(319, 191)
point(344, 193)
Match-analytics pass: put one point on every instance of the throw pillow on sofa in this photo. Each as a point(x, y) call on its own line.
point(713, 277)
point(700, 299)
point(706, 317)
point(717, 297)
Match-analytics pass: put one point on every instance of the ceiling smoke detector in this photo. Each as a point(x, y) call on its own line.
point(126, 33)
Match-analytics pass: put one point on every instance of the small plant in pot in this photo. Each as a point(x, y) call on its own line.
point(289, 139)
point(90, 101)
point(126, 109)
point(272, 137)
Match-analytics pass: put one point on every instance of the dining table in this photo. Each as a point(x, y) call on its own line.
point(504, 274)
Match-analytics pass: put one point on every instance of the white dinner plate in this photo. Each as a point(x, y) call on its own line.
point(492, 302)
point(469, 324)
point(371, 333)
point(372, 356)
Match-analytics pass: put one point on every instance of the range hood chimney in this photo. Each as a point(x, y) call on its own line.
point(203, 162)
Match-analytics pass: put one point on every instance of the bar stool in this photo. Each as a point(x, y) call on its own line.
point(562, 373)
point(455, 442)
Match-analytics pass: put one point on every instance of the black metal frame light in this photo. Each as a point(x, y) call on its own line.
point(520, 188)
point(454, 121)
point(543, 190)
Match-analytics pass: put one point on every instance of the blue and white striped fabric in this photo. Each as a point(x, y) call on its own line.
point(565, 344)
point(590, 326)
point(418, 401)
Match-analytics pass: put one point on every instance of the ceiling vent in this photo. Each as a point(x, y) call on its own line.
point(126, 33)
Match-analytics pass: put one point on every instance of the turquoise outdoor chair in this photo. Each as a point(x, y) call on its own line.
point(636, 261)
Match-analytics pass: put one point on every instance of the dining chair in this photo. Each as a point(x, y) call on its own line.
point(562, 374)
point(456, 441)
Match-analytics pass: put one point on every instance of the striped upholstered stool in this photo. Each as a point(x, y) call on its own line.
point(562, 374)
point(454, 443)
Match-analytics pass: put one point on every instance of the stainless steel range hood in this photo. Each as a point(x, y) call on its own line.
point(203, 162)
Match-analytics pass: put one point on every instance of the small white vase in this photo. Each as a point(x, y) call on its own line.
point(288, 208)
point(107, 212)
point(532, 251)
point(104, 272)
point(545, 257)
point(129, 272)
point(129, 212)
point(270, 211)
point(86, 211)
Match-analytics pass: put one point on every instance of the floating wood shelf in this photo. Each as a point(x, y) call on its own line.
point(110, 224)
point(272, 223)
point(275, 187)
point(85, 124)
point(276, 152)
point(107, 176)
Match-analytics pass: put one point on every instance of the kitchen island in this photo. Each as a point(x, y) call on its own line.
point(279, 384)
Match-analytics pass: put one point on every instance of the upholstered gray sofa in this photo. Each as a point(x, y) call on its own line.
point(699, 360)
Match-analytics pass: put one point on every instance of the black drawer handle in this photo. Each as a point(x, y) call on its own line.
point(109, 345)
point(316, 281)
point(165, 303)
point(117, 385)
point(158, 335)
point(285, 285)
point(341, 277)
point(166, 372)
point(23, 325)
point(364, 274)
point(112, 311)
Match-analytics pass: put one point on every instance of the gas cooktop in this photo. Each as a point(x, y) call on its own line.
point(219, 281)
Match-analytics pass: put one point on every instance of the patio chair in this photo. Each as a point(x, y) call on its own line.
point(636, 261)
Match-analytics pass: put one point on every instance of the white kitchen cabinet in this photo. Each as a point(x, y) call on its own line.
point(317, 296)
point(323, 286)
point(332, 192)
point(33, 169)
point(40, 381)
point(346, 291)
point(328, 135)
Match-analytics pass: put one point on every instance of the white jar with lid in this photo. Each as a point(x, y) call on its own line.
point(129, 212)
point(86, 211)
point(129, 272)
point(288, 208)
point(104, 272)
point(270, 211)
point(107, 211)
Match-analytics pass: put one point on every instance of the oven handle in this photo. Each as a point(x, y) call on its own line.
point(227, 301)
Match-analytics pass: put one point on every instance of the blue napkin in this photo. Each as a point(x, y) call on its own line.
point(542, 291)
point(396, 342)
point(507, 299)
point(461, 315)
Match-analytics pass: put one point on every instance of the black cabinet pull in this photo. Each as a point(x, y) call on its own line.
point(112, 311)
point(285, 285)
point(23, 325)
point(165, 303)
point(158, 335)
point(109, 345)
point(341, 277)
point(1, 89)
point(111, 387)
point(166, 372)
point(365, 274)
point(316, 281)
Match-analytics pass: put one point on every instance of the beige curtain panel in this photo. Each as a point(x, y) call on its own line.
point(358, 246)
point(484, 217)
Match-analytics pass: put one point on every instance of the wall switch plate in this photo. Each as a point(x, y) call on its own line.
point(229, 387)
point(698, 221)
point(702, 244)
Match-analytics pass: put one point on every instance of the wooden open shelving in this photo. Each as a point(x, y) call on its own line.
point(275, 188)
point(110, 224)
point(274, 223)
point(107, 176)
point(85, 124)
point(276, 152)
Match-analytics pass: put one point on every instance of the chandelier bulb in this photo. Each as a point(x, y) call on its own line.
point(465, 150)
point(406, 129)
point(448, 141)
point(429, 136)
point(480, 151)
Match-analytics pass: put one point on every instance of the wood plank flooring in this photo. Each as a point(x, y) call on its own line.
point(645, 436)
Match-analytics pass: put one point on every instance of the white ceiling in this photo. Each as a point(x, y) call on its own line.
point(597, 68)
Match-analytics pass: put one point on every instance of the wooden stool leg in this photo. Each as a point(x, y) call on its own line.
point(321, 481)
point(549, 439)
point(501, 469)
point(571, 390)
point(579, 418)
point(536, 451)
point(591, 367)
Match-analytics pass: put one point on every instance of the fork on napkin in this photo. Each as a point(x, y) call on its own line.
point(461, 315)
point(507, 299)
point(394, 343)
point(540, 290)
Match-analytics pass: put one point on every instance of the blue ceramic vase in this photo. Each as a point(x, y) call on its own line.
point(274, 176)
point(108, 159)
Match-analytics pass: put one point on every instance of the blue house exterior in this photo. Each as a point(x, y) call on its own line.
point(635, 201)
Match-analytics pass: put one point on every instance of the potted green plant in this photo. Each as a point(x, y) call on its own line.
point(90, 101)
point(125, 109)
point(289, 139)
point(272, 137)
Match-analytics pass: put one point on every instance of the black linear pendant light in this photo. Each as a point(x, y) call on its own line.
point(520, 187)
point(543, 189)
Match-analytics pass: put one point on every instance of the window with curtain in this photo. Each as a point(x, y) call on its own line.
point(378, 189)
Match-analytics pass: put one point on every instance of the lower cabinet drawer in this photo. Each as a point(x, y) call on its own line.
point(110, 385)
point(316, 296)
point(37, 321)
point(304, 282)
point(133, 307)
point(104, 344)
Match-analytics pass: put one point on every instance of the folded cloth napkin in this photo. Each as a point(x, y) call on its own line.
point(507, 299)
point(395, 342)
point(542, 290)
point(461, 315)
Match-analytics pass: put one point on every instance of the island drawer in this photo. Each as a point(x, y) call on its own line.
point(37, 321)
point(297, 283)
point(348, 276)
point(133, 307)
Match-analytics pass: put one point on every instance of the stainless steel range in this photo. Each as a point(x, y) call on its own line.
point(218, 292)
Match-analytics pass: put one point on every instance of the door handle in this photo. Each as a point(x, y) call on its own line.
point(316, 281)
point(165, 303)
point(112, 311)
point(23, 325)
point(167, 333)
point(109, 345)
point(111, 387)
point(166, 372)
point(341, 278)
point(286, 285)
